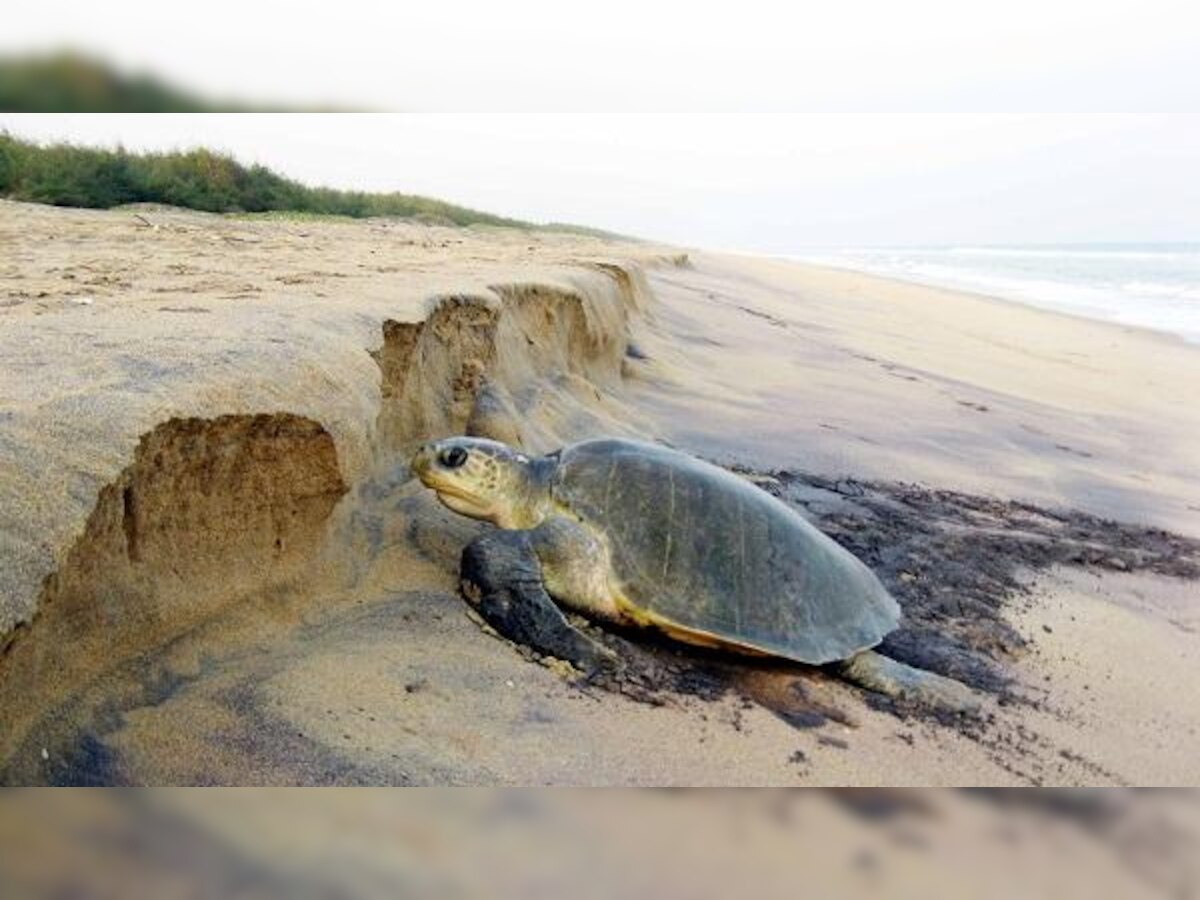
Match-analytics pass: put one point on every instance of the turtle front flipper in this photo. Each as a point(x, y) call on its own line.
point(878, 673)
point(502, 578)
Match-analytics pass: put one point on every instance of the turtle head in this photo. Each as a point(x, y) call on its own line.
point(482, 479)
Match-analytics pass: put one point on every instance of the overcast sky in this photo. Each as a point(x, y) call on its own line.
point(768, 183)
point(886, 121)
point(650, 55)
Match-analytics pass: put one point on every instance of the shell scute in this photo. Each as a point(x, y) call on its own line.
point(699, 547)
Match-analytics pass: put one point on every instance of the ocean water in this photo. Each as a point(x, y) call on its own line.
point(1149, 285)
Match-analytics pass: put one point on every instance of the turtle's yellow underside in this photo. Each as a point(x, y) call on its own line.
point(644, 618)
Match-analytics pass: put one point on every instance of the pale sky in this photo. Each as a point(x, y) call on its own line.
point(770, 183)
point(884, 122)
point(650, 55)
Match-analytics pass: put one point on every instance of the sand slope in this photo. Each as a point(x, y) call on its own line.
point(843, 372)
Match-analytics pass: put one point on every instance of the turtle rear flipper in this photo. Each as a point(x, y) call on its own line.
point(879, 673)
point(502, 578)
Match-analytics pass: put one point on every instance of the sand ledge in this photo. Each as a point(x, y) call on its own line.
point(214, 510)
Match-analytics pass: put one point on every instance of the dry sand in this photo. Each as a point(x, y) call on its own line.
point(256, 594)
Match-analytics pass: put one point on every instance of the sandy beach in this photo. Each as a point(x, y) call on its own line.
point(215, 570)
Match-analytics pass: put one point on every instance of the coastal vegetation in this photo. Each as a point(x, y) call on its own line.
point(69, 82)
point(66, 174)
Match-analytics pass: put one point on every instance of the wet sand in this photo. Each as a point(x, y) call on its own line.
point(264, 598)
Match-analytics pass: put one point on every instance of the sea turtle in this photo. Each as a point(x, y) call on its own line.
point(638, 534)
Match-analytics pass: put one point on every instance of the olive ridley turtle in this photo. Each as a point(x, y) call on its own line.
point(637, 534)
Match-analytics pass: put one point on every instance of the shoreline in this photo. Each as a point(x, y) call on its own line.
point(975, 294)
point(823, 334)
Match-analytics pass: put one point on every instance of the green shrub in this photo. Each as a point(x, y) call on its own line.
point(66, 81)
point(67, 175)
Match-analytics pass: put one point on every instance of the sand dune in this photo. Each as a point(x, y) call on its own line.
point(216, 570)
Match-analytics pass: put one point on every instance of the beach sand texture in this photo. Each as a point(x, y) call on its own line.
point(215, 569)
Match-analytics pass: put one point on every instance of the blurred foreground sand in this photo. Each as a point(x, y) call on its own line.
point(504, 843)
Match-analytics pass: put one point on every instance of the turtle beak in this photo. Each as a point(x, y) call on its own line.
point(422, 461)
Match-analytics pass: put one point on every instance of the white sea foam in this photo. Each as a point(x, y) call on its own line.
point(1075, 253)
point(1148, 285)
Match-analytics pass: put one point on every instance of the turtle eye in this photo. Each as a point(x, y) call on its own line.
point(454, 457)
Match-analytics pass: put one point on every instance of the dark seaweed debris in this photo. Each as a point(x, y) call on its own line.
point(955, 561)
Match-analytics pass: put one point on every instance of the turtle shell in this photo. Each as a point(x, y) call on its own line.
point(705, 551)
